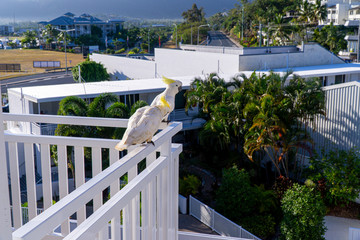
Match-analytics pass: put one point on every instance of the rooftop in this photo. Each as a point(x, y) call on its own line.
point(70, 19)
point(317, 71)
point(50, 93)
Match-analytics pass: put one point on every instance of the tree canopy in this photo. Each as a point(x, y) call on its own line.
point(90, 71)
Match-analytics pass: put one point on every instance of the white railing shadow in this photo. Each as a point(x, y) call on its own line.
point(145, 208)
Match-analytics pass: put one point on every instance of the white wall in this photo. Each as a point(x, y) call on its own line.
point(122, 68)
point(341, 127)
point(313, 54)
point(174, 63)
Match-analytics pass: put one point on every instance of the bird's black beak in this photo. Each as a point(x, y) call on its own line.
point(180, 88)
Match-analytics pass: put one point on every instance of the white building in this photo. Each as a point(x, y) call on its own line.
point(6, 30)
point(194, 61)
point(338, 14)
point(82, 24)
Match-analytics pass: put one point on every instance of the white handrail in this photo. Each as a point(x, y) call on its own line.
point(54, 216)
point(70, 120)
point(92, 225)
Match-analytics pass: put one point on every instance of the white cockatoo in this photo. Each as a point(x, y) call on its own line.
point(172, 88)
point(143, 124)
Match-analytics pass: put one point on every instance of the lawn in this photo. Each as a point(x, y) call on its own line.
point(25, 57)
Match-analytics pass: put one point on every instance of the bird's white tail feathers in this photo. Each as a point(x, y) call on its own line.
point(121, 146)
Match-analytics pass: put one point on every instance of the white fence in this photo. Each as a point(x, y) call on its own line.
point(25, 213)
point(354, 233)
point(216, 221)
point(146, 208)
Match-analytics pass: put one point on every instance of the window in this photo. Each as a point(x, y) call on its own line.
point(339, 79)
point(324, 80)
point(351, 12)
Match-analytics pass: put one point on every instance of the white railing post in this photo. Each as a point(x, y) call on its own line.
point(166, 223)
point(5, 218)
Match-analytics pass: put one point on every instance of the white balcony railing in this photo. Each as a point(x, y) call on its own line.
point(146, 208)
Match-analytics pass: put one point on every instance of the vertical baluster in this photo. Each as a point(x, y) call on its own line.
point(15, 184)
point(114, 188)
point(159, 207)
point(126, 222)
point(30, 179)
point(46, 175)
point(175, 207)
point(128, 212)
point(80, 179)
point(63, 182)
point(149, 204)
point(5, 218)
point(96, 169)
point(104, 233)
point(145, 213)
point(167, 198)
point(136, 217)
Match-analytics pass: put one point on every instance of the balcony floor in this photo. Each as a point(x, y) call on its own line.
point(188, 223)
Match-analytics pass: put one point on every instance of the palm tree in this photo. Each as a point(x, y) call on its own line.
point(277, 116)
point(50, 33)
point(279, 32)
point(319, 12)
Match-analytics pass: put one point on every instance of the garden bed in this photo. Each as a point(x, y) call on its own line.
point(351, 210)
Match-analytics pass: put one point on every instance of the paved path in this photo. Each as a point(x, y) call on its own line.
point(338, 228)
point(188, 223)
point(218, 38)
point(36, 80)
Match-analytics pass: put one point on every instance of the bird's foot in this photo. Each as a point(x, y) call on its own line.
point(151, 143)
point(166, 121)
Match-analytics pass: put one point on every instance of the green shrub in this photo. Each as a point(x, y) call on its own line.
point(90, 72)
point(134, 51)
point(120, 51)
point(261, 226)
point(341, 172)
point(235, 197)
point(189, 185)
point(304, 212)
point(144, 46)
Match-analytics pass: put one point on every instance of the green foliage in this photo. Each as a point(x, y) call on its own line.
point(98, 107)
point(252, 207)
point(331, 37)
point(189, 185)
point(137, 105)
point(341, 171)
point(144, 46)
point(194, 14)
point(90, 72)
point(304, 213)
point(29, 38)
point(120, 51)
point(134, 51)
point(96, 31)
point(235, 192)
point(275, 113)
point(261, 226)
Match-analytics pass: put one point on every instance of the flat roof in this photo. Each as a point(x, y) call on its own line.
point(317, 71)
point(51, 93)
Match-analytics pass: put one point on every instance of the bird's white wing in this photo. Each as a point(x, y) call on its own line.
point(146, 127)
point(135, 118)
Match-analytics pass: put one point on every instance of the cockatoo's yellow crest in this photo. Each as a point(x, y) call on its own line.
point(167, 80)
point(164, 102)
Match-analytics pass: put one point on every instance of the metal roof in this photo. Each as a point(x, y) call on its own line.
point(317, 71)
point(51, 93)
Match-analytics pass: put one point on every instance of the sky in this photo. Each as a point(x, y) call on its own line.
point(45, 10)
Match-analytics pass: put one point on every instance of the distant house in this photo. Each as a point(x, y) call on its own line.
point(82, 24)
